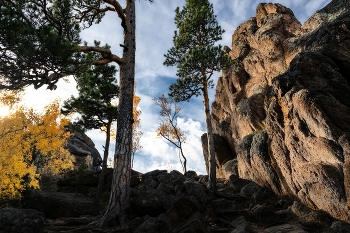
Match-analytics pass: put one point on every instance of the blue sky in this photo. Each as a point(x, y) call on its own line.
point(155, 29)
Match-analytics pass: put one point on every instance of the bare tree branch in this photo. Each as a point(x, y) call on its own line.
point(107, 55)
point(120, 11)
point(97, 10)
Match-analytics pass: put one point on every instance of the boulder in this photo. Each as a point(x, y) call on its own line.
point(173, 202)
point(158, 224)
point(147, 203)
point(14, 220)
point(182, 209)
point(223, 154)
point(284, 106)
point(83, 148)
point(58, 205)
point(285, 228)
point(340, 227)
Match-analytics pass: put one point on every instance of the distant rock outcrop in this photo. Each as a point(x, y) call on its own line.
point(83, 148)
point(284, 107)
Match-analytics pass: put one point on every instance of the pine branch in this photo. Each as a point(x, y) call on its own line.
point(107, 55)
point(96, 11)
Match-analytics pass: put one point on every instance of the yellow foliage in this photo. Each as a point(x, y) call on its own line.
point(168, 128)
point(58, 160)
point(136, 134)
point(10, 98)
point(135, 112)
point(113, 132)
point(29, 142)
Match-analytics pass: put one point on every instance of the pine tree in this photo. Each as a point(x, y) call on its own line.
point(97, 88)
point(197, 58)
point(40, 44)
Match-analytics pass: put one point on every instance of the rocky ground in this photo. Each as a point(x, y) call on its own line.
point(171, 202)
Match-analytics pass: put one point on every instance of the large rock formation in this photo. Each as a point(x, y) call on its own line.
point(83, 149)
point(284, 106)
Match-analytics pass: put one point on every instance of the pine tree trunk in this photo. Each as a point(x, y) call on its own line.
point(119, 201)
point(211, 149)
point(101, 180)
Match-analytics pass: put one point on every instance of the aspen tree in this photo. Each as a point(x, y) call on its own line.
point(168, 128)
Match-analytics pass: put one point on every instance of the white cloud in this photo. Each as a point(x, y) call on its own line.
point(158, 153)
point(39, 98)
point(313, 5)
point(4, 111)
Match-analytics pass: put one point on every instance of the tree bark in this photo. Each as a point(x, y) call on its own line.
point(119, 201)
point(184, 158)
point(211, 148)
point(101, 180)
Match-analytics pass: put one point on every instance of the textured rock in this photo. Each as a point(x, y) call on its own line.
point(147, 204)
point(154, 225)
point(284, 106)
point(340, 227)
point(285, 228)
point(14, 220)
point(223, 154)
point(58, 205)
point(83, 148)
point(173, 202)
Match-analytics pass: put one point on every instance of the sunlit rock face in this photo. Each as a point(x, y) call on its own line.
point(284, 106)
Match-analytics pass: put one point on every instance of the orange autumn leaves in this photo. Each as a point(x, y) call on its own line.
point(31, 144)
point(168, 124)
point(136, 134)
point(168, 128)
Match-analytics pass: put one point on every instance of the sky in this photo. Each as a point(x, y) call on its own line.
point(154, 33)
